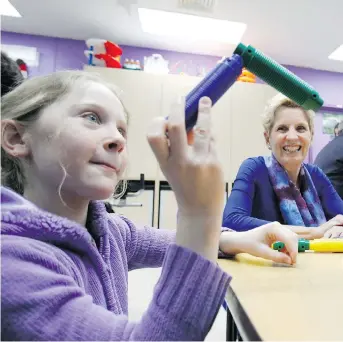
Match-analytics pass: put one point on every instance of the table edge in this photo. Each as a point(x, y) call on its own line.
point(241, 318)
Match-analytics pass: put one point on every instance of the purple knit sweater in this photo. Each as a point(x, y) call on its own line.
point(61, 281)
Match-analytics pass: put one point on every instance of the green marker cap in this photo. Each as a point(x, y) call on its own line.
point(303, 245)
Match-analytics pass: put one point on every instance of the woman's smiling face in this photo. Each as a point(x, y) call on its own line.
point(290, 137)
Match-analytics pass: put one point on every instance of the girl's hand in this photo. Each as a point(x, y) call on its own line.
point(193, 172)
point(195, 175)
point(258, 242)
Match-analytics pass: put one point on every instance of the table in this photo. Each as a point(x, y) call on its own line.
point(269, 301)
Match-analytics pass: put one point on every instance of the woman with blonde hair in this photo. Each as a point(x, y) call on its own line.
point(281, 187)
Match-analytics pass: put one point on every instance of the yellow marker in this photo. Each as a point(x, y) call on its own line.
point(326, 245)
point(317, 245)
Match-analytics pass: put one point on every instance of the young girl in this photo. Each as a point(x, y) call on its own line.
point(65, 259)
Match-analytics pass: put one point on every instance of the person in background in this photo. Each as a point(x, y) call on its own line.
point(280, 187)
point(11, 75)
point(330, 160)
point(336, 130)
point(65, 259)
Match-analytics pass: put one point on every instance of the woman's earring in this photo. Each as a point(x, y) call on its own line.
point(269, 147)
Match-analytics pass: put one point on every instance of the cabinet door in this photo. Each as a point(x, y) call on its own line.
point(139, 209)
point(141, 95)
point(167, 211)
point(270, 92)
point(222, 127)
point(247, 140)
point(176, 85)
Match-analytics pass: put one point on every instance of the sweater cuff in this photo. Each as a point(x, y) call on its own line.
point(221, 254)
point(190, 290)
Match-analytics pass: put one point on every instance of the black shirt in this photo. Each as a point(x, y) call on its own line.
point(330, 160)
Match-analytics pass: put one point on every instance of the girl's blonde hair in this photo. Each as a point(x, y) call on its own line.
point(25, 103)
point(281, 101)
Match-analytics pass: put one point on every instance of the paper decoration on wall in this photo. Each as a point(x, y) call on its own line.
point(23, 67)
point(246, 76)
point(126, 4)
point(189, 67)
point(28, 54)
point(178, 68)
point(156, 64)
point(131, 64)
point(330, 120)
point(104, 53)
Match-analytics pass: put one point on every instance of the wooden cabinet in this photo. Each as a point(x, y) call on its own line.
point(248, 101)
point(141, 95)
point(139, 209)
point(167, 208)
point(222, 128)
point(176, 85)
point(237, 127)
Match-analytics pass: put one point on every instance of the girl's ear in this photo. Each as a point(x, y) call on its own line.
point(12, 139)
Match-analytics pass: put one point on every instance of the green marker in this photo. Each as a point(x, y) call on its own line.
point(279, 77)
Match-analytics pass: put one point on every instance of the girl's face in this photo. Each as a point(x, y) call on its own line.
point(290, 137)
point(82, 137)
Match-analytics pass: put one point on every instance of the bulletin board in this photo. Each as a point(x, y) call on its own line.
point(329, 122)
point(29, 54)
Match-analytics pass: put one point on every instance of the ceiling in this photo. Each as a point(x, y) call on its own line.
point(293, 32)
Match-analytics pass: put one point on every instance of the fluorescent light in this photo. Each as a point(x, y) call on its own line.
point(8, 9)
point(337, 54)
point(190, 26)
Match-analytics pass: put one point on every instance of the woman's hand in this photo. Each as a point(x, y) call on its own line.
point(258, 242)
point(195, 175)
point(335, 232)
point(336, 222)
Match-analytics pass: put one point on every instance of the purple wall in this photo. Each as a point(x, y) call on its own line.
point(328, 84)
point(54, 53)
point(190, 64)
point(58, 54)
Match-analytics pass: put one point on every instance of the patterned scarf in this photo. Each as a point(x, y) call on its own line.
point(297, 208)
